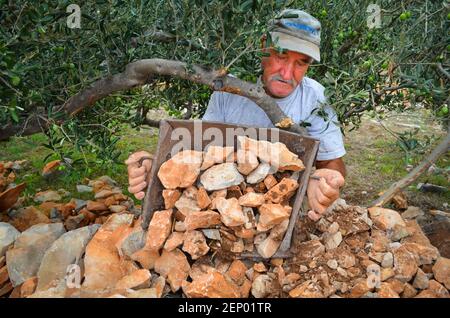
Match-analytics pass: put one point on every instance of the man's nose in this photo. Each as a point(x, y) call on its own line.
point(287, 71)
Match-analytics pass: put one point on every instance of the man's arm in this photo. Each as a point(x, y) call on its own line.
point(322, 193)
point(335, 164)
point(330, 174)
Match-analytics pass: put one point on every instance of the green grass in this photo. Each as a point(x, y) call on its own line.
point(374, 162)
point(31, 148)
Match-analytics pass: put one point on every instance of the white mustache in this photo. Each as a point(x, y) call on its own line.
point(277, 77)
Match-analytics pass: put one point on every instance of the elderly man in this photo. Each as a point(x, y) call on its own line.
point(298, 34)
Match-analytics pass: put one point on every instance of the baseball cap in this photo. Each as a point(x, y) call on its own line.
point(298, 31)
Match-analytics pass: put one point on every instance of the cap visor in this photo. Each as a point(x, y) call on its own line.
point(292, 43)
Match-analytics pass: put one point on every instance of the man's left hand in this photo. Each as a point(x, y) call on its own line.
point(322, 193)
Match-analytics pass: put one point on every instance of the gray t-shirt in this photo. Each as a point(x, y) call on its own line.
point(301, 105)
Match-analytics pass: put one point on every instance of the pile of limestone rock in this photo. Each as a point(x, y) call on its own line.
point(351, 252)
point(227, 201)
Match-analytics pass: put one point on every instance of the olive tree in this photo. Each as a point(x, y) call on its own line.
point(76, 78)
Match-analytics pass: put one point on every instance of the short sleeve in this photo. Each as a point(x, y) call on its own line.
point(330, 136)
point(214, 112)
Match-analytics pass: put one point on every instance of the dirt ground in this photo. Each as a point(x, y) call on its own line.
point(374, 161)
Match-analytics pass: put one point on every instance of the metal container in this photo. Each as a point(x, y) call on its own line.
point(305, 147)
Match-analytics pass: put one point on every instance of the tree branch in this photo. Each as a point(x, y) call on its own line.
point(442, 70)
point(31, 126)
point(165, 37)
point(141, 72)
point(442, 148)
point(151, 122)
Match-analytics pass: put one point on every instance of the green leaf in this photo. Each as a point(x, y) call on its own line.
point(305, 124)
point(13, 114)
point(48, 156)
point(15, 80)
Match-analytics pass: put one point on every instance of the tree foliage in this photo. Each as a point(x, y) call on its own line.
point(43, 62)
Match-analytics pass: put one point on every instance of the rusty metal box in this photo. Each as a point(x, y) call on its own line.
point(305, 147)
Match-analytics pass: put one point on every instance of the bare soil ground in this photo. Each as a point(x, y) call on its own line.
point(374, 161)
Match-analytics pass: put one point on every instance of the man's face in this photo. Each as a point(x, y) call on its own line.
point(283, 72)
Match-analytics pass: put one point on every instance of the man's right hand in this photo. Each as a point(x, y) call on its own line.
point(138, 175)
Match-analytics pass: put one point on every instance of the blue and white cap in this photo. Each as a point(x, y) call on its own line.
point(298, 31)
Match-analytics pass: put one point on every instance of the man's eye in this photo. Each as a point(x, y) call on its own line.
point(282, 57)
